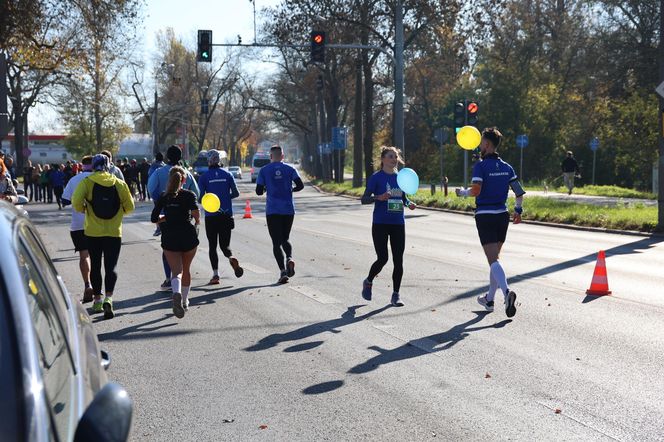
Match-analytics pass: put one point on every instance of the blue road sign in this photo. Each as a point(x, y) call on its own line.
point(594, 144)
point(522, 140)
point(339, 138)
point(327, 148)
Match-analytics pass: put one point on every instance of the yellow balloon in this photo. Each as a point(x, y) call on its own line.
point(211, 202)
point(469, 137)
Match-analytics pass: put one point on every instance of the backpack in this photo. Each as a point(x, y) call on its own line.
point(105, 201)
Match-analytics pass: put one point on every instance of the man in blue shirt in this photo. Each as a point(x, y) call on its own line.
point(157, 185)
point(218, 225)
point(277, 179)
point(492, 179)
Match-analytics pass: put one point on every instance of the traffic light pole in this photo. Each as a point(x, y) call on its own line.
point(398, 80)
point(465, 152)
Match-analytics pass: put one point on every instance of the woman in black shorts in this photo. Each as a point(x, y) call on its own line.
point(179, 238)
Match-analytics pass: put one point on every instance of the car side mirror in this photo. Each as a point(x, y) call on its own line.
point(108, 417)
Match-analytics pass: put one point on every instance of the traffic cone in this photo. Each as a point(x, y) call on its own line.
point(599, 286)
point(247, 210)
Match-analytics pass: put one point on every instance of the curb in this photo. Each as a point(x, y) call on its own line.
point(534, 222)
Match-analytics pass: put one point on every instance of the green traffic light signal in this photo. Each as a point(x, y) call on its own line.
point(204, 51)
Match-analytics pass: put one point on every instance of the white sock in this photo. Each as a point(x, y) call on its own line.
point(215, 272)
point(493, 285)
point(498, 274)
point(176, 284)
point(185, 292)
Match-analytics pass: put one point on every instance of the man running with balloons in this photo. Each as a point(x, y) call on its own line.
point(218, 188)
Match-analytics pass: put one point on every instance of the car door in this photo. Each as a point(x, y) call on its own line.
point(51, 331)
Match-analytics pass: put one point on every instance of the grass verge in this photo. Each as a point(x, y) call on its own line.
point(635, 216)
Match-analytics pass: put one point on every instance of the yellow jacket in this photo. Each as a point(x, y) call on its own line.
point(94, 226)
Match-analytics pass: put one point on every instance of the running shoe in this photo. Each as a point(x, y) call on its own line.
point(283, 279)
point(214, 280)
point(395, 301)
point(98, 306)
point(290, 266)
point(366, 289)
point(178, 310)
point(88, 295)
point(239, 271)
point(165, 286)
point(108, 308)
point(157, 231)
point(488, 305)
point(510, 304)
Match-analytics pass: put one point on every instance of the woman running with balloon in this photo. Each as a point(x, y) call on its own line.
point(387, 189)
point(179, 238)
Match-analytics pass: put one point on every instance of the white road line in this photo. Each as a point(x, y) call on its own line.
point(313, 294)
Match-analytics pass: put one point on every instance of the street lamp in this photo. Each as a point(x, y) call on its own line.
point(155, 133)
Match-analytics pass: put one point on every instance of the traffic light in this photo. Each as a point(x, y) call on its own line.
point(318, 46)
point(204, 52)
point(472, 109)
point(459, 116)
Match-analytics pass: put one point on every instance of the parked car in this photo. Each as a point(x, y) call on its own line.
point(52, 370)
point(235, 171)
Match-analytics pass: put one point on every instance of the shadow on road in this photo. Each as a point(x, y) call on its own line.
point(139, 331)
point(310, 330)
point(426, 345)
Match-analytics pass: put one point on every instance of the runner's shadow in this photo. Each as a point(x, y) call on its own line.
point(428, 344)
point(310, 330)
point(132, 331)
point(210, 297)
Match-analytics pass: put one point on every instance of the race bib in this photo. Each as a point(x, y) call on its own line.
point(395, 205)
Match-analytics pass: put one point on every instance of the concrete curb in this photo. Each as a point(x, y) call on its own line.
point(537, 223)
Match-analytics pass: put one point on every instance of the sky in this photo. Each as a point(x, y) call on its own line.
point(226, 19)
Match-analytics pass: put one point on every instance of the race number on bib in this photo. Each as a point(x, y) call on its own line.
point(395, 205)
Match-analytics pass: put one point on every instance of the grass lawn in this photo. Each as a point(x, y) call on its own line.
point(627, 217)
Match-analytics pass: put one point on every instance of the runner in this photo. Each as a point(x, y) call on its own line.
point(388, 221)
point(179, 238)
point(157, 185)
point(104, 199)
point(492, 179)
point(77, 228)
point(218, 226)
point(277, 179)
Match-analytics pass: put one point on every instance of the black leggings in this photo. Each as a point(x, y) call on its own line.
point(279, 227)
point(57, 191)
point(397, 236)
point(109, 247)
point(219, 227)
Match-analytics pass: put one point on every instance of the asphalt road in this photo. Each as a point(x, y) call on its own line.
point(311, 360)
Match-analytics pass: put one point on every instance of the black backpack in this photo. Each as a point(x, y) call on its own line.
point(105, 201)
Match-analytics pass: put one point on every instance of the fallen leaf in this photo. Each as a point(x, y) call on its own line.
point(228, 421)
point(558, 411)
point(263, 427)
point(346, 268)
point(487, 376)
point(433, 309)
point(549, 305)
point(578, 359)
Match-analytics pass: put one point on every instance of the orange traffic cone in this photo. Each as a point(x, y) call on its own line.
point(599, 286)
point(247, 210)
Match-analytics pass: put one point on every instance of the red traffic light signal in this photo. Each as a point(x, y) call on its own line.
point(317, 46)
point(472, 109)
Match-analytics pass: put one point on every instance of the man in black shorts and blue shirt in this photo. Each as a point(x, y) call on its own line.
point(492, 179)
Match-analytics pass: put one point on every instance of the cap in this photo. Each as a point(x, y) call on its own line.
point(100, 162)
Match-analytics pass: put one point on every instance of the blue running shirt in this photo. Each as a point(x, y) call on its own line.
point(277, 178)
point(216, 180)
point(495, 176)
point(390, 211)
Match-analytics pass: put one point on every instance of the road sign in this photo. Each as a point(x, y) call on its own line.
point(594, 144)
point(327, 148)
point(660, 89)
point(339, 138)
point(441, 135)
point(522, 140)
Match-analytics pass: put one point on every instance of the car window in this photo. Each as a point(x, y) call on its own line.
point(260, 162)
point(54, 355)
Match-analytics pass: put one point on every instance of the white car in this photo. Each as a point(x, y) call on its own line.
point(235, 171)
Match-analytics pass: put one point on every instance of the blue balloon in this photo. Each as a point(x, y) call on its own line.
point(408, 181)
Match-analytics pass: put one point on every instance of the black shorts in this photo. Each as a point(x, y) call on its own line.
point(492, 227)
point(181, 238)
point(79, 239)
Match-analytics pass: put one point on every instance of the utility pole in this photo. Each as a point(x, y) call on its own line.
point(155, 139)
point(398, 79)
point(4, 114)
point(660, 168)
point(357, 129)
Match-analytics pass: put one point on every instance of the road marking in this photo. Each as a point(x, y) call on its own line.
point(254, 268)
point(314, 294)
